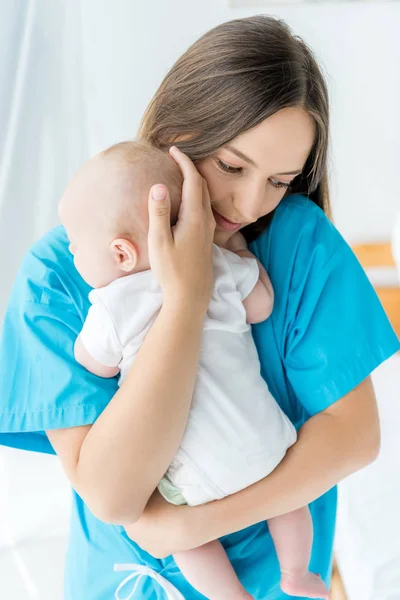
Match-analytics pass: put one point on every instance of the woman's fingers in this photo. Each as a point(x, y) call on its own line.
point(159, 215)
point(192, 189)
point(187, 167)
point(207, 200)
point(181, 259)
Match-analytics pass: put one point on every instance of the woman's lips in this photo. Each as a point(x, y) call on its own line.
point(224, 223)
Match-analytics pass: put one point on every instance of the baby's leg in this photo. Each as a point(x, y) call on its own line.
point(293, 535)
point(209, 571)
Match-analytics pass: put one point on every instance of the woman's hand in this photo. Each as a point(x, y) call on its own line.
point(182, 257)
point(163, 528)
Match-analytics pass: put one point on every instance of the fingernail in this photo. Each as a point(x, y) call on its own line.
point(159, 192)
point(173, 148)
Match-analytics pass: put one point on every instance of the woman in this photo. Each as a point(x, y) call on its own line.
point(248, 104)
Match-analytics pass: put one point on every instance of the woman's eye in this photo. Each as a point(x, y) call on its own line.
point(280, 184)
point(227, 168)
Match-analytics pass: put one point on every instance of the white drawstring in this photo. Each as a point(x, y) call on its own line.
point(140, 571)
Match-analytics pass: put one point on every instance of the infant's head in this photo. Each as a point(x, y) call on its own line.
point(105, 209)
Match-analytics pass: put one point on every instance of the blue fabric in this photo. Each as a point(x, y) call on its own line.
point(327, 332)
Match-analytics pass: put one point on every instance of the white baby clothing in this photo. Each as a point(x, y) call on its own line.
point(236, 432)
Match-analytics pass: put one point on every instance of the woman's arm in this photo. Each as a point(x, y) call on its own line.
point(116, 463)
point(331, 445)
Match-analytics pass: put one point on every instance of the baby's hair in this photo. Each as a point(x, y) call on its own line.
point(132, 151)
point(158, 165)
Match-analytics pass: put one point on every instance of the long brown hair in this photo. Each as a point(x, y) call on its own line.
point(230, 80)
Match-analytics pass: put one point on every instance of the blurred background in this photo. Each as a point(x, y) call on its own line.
point(75, 77)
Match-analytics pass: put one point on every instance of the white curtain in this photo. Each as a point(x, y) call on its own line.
point(42, 141)
point(42, 120)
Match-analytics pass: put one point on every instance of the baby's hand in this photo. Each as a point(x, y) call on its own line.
point(236, 242)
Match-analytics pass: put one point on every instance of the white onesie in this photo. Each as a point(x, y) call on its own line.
point(236, 432)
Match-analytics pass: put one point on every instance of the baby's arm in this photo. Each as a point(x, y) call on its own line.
point(97, 347)
point(84, 358)
point(260, 301)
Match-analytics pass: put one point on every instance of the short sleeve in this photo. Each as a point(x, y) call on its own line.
point(98, 334)
point(245, 272)
point(340, 331)
point(41, 385)
point(329, 325)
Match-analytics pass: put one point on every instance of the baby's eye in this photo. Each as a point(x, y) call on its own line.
point(227, 168)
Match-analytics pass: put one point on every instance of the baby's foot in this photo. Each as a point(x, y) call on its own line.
point(307, 584)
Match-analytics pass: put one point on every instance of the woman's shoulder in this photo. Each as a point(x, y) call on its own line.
point(45, 312)
point(300, 235)
point(50, 252)
point(301, 220)
point(329, 328)
point(47, 273)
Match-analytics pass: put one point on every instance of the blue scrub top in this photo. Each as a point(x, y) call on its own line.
point(326, 334)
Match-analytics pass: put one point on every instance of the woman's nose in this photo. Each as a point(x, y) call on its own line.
point(251, 204)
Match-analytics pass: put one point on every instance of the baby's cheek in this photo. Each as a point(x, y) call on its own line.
point(103, 271)
point(85, 269)
point(78, 265)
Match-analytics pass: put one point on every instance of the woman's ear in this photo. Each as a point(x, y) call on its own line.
point(124, 253)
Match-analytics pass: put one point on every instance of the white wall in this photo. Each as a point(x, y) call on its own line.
point(129, 46)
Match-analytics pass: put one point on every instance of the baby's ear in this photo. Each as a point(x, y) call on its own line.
point(124, 253)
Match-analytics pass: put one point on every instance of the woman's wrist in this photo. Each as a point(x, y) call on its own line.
point(186, 305)
point(199, 525)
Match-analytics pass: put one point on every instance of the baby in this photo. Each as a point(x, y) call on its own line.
point(236, 432)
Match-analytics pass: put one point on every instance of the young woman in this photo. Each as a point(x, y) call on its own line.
point(247, 103)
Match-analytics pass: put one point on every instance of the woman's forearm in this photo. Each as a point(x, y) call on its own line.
point(130, 446)
point(330, 447)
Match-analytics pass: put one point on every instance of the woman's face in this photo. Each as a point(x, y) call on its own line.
point(248, 177)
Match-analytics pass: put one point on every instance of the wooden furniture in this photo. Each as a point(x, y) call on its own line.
point(379, 255)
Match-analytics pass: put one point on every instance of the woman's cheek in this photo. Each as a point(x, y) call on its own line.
point(208, 172)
